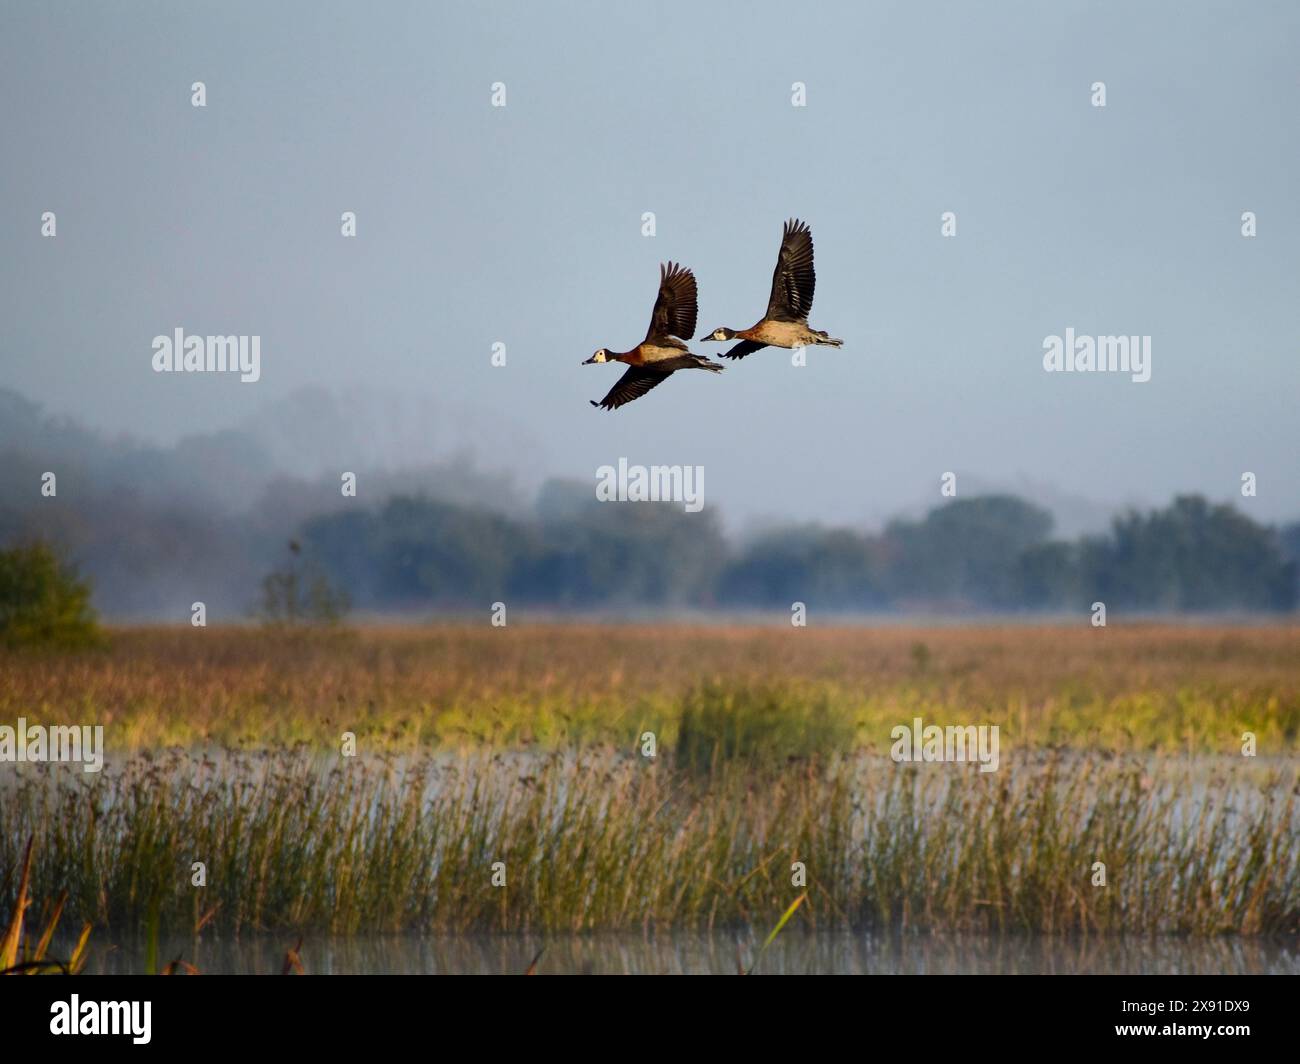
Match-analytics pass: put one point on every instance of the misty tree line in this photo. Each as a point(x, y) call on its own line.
point(992, 552)
point(157, 529)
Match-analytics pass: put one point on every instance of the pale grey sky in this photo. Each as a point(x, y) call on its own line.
point(523, 225)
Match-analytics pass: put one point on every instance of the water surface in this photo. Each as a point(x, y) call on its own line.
point(717, 952)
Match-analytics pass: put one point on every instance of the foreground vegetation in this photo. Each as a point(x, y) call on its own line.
point(524, 748)
point(607, 840)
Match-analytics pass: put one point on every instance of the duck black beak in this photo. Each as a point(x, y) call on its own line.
point(589, 361)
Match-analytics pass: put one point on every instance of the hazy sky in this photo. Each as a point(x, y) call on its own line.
point(522, 225)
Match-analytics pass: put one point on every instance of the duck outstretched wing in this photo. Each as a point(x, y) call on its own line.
point(632, 385)
point(794, 279)
point(675, 308)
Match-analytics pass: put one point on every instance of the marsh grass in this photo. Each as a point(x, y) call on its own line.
point(604, 840)
point(1120, 745)
point(1125, 688)
point(758, 726)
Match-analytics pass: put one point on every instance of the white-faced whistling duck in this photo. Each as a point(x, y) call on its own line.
point(786, 322)
point(661, 353)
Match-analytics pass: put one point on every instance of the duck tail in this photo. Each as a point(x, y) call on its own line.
point(707, 363)
point(826, 340)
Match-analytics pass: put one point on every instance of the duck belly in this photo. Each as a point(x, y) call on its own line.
point(781, 333)
point(652, 353)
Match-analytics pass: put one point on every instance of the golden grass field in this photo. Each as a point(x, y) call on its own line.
point(522, 746)
point(1136, 687)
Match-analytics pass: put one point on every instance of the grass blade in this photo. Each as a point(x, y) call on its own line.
point(14, 936)
point(785, 919)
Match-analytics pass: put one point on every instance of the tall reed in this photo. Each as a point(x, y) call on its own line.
point(606, 840)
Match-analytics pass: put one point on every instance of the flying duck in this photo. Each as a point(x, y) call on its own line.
point(662, 352)
point(786, 322)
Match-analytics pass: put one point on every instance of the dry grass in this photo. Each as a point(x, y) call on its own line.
point(1120, 688)
point(476, 745)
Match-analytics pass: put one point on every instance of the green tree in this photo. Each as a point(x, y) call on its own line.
point(1194, 555)
point(42, 600)
point(1049, 575)
point(837, 568)
point(968, 550)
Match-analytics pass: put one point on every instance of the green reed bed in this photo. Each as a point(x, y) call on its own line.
point(611, 840)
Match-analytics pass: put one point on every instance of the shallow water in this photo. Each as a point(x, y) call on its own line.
point(703, 953)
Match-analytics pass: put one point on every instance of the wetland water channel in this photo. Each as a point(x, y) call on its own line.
point(843, 953)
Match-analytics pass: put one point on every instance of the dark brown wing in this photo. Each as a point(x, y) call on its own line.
point(793, 280)
point(675, 310)
point(745, 347)
point(632, 385)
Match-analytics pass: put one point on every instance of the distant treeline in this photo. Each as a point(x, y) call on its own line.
point(209, 519)
point(993, 552)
